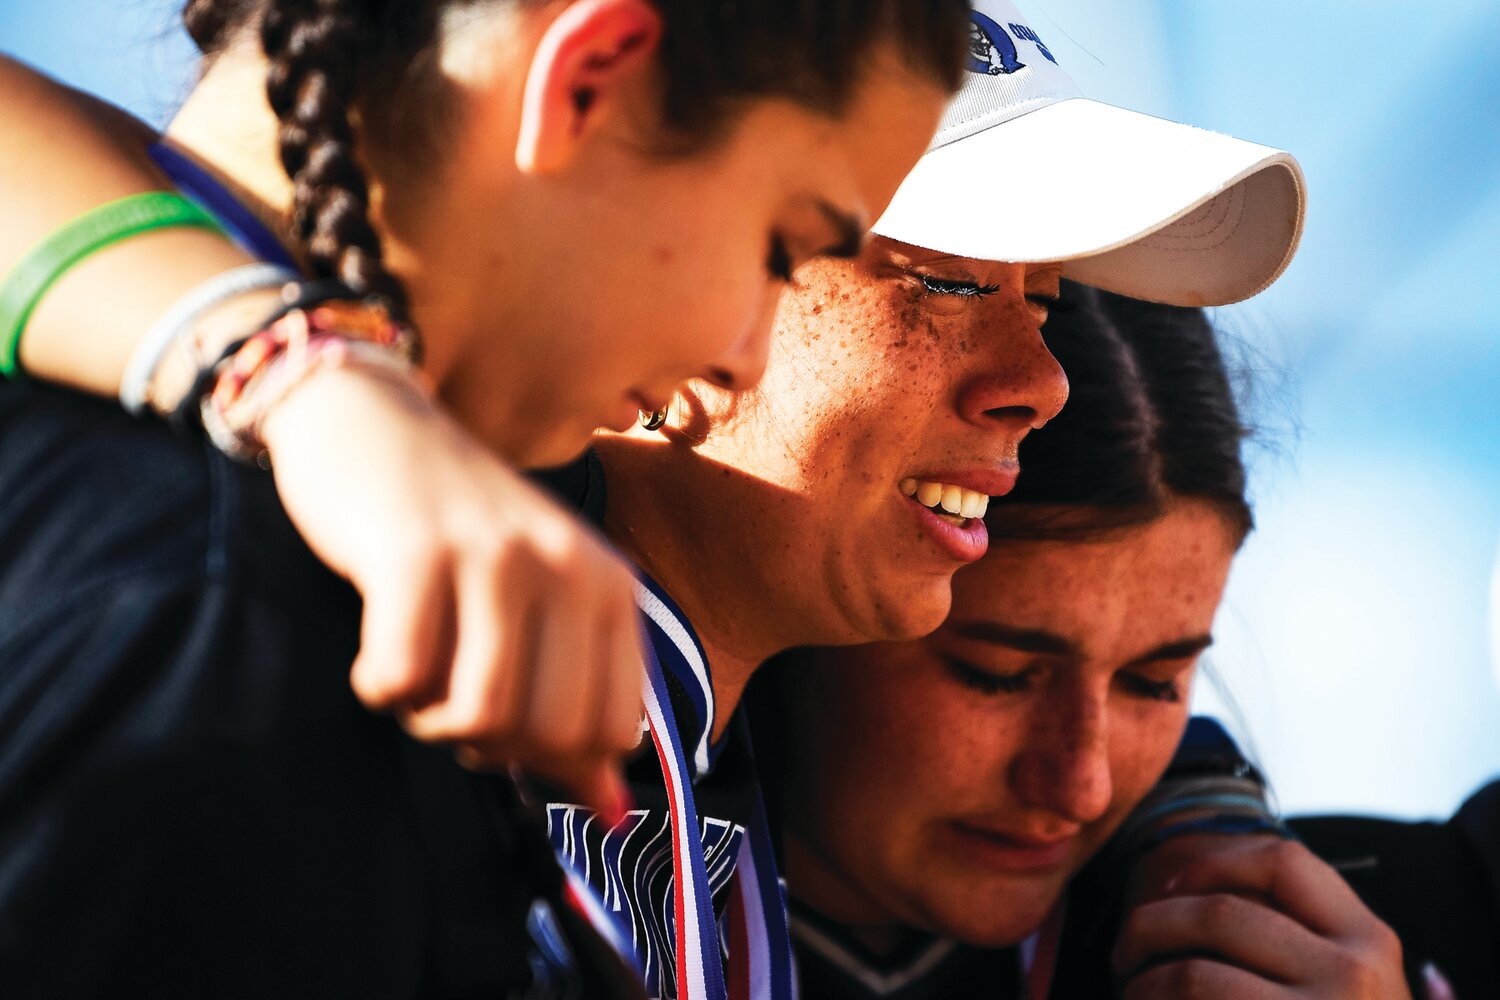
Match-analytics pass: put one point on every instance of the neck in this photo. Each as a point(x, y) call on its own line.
point(227, 124)
point(820, 887)
point(654, 518)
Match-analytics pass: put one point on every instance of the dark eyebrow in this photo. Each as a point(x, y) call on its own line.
point(1024, 639)
point(849, 227)
point(1182, 649)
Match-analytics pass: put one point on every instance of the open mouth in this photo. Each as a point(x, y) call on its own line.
point(954, 504)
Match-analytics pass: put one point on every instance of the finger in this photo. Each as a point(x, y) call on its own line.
point(619, 726)
point(1283, 872)
point(1201, 979)
point(567, 679)
point(406, 634)
point(484, 698)
point(595, 781)
point(1240, 931)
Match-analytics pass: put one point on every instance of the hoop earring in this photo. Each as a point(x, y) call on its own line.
point(654, 420)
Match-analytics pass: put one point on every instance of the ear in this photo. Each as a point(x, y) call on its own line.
point(583, 62)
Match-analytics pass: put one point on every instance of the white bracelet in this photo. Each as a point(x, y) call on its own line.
point(183, 315)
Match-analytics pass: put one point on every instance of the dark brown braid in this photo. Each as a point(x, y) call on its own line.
point(314, 48)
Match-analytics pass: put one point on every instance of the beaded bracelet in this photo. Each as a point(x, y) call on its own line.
point(256, 373)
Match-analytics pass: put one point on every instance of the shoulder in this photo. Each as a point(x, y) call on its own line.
point(152, 594)
point(92, 495)
point(1431, 882)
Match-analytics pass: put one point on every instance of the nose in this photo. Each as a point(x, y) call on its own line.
point(1024, 387)
point(1065, 768)
point(741, 366)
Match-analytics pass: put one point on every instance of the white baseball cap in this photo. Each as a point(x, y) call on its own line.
point(1026, 169)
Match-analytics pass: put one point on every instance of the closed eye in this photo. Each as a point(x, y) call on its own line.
point(986, 681)
point(1145, 687)
point(963, 289)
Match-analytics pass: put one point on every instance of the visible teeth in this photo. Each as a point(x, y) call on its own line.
point(946, 498)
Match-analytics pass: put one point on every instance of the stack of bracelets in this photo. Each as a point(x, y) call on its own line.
point(316, 325)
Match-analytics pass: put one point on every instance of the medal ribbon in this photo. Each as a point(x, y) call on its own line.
point(760, 945)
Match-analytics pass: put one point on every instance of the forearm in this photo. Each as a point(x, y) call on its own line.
point(66, 153)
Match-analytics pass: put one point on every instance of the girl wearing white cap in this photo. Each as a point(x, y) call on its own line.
point(832, 505)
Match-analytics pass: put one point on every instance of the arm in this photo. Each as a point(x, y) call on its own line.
point(495, 622)
point(68, 153)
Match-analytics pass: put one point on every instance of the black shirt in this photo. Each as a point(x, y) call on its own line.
point(192, 801)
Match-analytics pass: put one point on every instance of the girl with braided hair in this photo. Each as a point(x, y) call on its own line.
point(578, 204)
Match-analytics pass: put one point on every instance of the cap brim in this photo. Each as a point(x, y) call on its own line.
point(1133, 204)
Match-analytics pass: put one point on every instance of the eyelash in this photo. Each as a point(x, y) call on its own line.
point(962, 289)
point(986, 682)
point(779, 260)
point(989, 683)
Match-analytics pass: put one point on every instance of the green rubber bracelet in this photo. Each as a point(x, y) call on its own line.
point(86, 235)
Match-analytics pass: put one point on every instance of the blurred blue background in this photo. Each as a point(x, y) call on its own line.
point(1361, 633)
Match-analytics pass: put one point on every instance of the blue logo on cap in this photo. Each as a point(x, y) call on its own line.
point(992, 50)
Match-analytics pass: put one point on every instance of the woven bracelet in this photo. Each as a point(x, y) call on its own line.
point(179, 321)
point(75, 241)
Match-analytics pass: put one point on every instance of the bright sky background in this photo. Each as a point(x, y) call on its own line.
point(1362, 628)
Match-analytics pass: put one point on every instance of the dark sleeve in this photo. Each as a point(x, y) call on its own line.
point(1431, 882)
point(192, 801)
point(168, 825)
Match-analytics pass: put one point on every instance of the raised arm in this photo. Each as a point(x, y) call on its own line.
point(494, 620)
point(65, 153)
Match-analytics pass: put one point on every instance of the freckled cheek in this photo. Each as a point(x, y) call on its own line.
point(1140, 751)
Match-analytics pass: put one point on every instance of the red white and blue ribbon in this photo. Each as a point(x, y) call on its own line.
point(759, 944)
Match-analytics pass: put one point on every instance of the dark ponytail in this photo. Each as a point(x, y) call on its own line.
point(1150, 416)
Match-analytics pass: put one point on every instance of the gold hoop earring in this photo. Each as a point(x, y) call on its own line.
point(654, 420)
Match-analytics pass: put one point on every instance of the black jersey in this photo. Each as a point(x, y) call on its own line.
point(831, 965)
point(192, 801)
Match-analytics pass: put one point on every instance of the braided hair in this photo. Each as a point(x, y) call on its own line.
point(313, 47)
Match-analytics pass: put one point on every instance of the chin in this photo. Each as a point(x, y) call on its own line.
point(552, 452)
point(999, 921)
point(914, 611)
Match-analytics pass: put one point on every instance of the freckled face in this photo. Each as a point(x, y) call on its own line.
point(956, 783)
point(898, 367)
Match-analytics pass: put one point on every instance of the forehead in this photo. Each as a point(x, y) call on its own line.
point(1139, 586)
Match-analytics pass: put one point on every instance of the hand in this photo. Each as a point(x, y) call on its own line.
point(494, 620)
point(1253, 918)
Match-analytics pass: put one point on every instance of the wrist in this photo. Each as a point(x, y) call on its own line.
point(345, 394)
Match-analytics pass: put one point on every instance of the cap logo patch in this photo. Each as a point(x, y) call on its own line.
point(992, 50)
